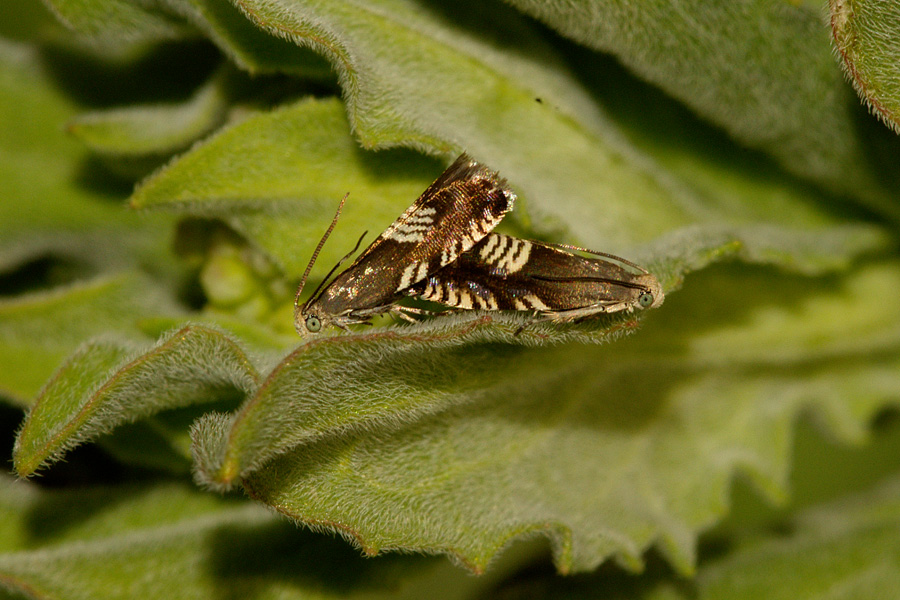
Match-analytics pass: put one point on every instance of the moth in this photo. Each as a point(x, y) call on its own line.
point(462, 206)
point(502, 272)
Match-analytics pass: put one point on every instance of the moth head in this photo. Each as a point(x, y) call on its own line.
point(652, 294)
point(309, 319)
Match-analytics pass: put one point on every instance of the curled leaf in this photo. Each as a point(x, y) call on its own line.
point(153, 129)
point(107, 384)
point(763, 71)
point(38, 330)
point(119, 21)
point(867, 36)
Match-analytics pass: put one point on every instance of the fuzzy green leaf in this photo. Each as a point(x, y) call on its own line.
point(38, 330)
point(604, 450)
point(96, 390)
point(168, 542)
point(437, 364)
point(118, 21)
point(250, 49)
point(762, 70)
point(843, 550)
point(867, 35)
point(276, 178)
point(153, 129)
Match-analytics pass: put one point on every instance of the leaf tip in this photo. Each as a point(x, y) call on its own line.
point(863, 35)
point(24, 466)
point(212, 469)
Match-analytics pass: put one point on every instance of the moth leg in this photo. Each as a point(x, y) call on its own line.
point(415, 311)
point(578, 315)
point(404, 316)
point(535, 317)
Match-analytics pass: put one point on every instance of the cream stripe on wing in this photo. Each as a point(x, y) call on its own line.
point(465, 299)
point(404, 236)
point(515, 263)
point(437, 292)
point(422, 272)
point(406, 279)
point(451, 296)
point(536, 302)
point(498, 252)
point(489, 246)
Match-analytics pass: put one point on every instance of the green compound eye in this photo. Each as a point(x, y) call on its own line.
point(645, 300)
point(313, 324)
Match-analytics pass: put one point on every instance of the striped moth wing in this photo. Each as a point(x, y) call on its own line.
point(456, 211)
point(506, 273)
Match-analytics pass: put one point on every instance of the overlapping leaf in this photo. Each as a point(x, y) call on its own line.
point(38, 330)
point(154, 129)
point(249, 48)
point(96, 389)
point(130, 541)
point(761, 70)
point(456, 436)
point(867, 35)
point(845, 549)
point(119, 21)
point(604, 450)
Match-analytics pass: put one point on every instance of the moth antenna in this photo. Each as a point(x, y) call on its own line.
point(315, 294)
point(603, 254)
point(315, 255)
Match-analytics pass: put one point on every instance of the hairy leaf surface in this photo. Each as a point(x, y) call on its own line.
point(166, 541)
point(867, 35)
point(603, 449)
point(761, 70)
point(107, 384)
point(749, 182)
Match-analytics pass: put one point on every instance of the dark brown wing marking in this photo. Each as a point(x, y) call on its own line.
point(506, 273)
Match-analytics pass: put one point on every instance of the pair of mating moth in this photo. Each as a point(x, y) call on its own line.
point(442, 249)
